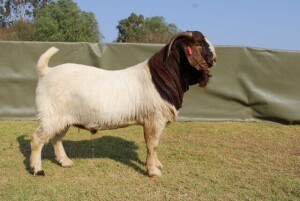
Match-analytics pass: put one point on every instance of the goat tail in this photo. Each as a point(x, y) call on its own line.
point(42, 65)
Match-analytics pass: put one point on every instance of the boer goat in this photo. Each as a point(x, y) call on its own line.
point(148, 94)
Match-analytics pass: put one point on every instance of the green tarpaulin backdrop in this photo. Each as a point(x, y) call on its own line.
point(248, 84)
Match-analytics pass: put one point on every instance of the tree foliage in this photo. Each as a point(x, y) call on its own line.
point(46, 20)
point(19, 31)
point(12, 11)
point(131, 29)
point(136, 28)
point(64, 21)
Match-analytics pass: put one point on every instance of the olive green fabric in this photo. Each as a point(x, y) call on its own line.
point(248, 84)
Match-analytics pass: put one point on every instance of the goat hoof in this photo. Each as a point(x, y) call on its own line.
point(154, 172)
point(66, 163)
point(40, 173)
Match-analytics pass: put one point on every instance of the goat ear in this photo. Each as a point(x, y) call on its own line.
point(195, 58)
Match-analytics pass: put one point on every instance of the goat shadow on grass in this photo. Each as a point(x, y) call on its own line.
point(115, 148)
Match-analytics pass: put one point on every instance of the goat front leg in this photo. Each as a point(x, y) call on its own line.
point(152, 134)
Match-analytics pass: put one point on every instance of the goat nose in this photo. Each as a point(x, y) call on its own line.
point(214, 60)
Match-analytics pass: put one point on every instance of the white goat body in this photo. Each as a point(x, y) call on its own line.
point(97, 99)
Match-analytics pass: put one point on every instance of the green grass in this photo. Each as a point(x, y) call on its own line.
point(202, 161)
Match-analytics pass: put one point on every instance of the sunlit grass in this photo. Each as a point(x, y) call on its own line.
point(202, 161)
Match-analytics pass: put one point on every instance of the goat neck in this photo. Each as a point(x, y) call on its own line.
point(169, 76)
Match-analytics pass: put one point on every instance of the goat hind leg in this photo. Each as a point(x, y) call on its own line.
point(39, 139)
point(59, 150)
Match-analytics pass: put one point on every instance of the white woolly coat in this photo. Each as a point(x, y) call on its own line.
point(73, 94)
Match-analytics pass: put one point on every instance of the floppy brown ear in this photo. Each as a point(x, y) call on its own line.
point(195, 58)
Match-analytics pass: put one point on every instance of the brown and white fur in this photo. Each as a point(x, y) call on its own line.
point(148, 94)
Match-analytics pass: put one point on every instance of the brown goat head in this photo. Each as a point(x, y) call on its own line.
point(200, 54)
point(198, 49)
point(184, 61)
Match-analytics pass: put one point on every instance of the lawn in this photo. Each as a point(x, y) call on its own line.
point(202, 161)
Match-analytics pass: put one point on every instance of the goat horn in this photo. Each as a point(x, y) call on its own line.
point(183, 34)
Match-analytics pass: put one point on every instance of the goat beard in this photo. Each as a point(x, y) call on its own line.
point(204, 78)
